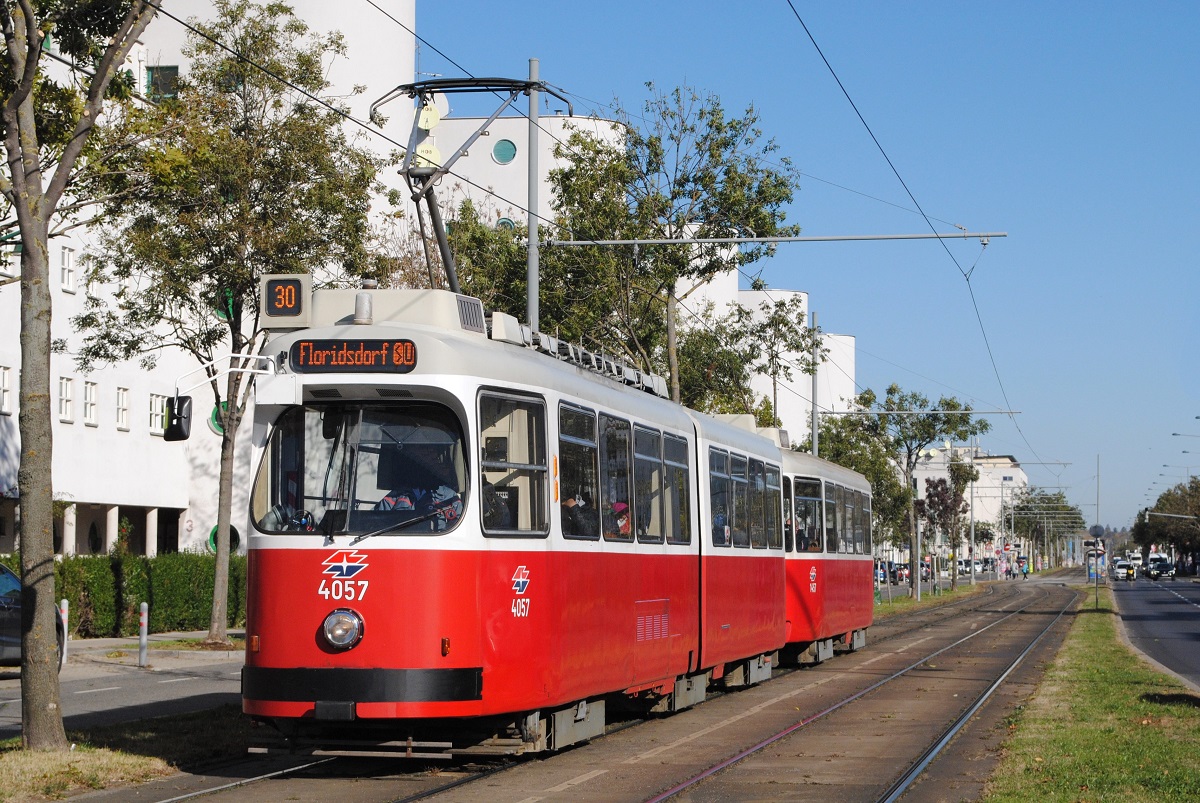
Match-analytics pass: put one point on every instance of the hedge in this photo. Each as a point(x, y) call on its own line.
point(105, 592)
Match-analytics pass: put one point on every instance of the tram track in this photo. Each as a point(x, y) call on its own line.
point(906, 779)
point(882, 695)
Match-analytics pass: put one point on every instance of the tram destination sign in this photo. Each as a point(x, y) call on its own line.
point(352, 355)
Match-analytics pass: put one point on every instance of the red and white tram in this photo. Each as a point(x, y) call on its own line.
point(830, 589)
point(464, 533)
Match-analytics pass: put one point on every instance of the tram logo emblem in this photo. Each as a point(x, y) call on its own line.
point(345, 563)
point(520, 580)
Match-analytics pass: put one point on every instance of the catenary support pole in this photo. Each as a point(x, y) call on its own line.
point(816, 353)
point(531, 260)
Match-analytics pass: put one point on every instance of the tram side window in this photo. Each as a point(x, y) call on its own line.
point(614, 474)
point(846, 525)
point(788, 520)
point(580, 478)
point(676, 484)
point(740, 493)
point(719, 496)
point(758, 503)
point(513, 465)
point(858, 522)
point(772, 520)
point(845, 536)
point(810, 513)
point(647, 485)
point(833, 515)
point(868, 541)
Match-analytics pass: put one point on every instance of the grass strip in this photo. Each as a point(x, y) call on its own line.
point(1103, 725)
point(123, 754)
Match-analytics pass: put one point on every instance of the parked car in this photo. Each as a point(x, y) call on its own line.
point(10, 621)
point(900, 573)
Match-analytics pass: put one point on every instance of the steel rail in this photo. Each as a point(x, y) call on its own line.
point(906, 780)
point(245, 781)
point(820, 715)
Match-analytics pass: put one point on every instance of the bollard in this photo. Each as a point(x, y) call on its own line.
point(143, 624)
point(63, 609)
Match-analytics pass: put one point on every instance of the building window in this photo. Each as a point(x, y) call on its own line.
point(66, 410)
point(162, 82)
point(158, 414)
point(67, 269)
point(6, 405)
point(504, 151)
point(123, 409)
point(89, 403)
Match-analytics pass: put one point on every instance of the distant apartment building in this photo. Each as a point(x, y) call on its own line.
point(991, 497)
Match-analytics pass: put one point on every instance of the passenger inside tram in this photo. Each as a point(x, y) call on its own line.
point(422, 479)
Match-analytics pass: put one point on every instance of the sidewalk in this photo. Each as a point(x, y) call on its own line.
point(125, 650)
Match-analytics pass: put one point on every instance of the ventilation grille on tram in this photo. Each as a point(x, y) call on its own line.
point(470, 314)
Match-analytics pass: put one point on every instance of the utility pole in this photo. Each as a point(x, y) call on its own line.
point(812, 322)
point(531, 259)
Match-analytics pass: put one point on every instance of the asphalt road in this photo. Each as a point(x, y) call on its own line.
point(102, 684)
point(1162, 620)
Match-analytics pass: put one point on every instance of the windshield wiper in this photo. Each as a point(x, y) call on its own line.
point(400, 525)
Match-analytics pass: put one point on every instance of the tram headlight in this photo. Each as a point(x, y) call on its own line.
point(343, 629)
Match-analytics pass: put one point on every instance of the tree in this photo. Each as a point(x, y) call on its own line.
point(859, 442)
point(683, 170)
point(942, 509)
point(774, 333)
point(1174, 520)
point(714, 372)
point(240, 175)
point(1042, 516)
point(47, 126)
point(908, 425)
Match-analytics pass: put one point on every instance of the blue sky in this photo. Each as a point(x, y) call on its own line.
point(1072, 128)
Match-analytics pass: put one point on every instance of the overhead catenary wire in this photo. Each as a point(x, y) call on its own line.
point(965, 274)
point(489, 191)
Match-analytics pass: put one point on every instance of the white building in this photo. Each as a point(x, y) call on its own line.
point(1001, 479)
point(111, 463)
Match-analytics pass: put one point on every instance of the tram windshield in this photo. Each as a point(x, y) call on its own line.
point(362, 469)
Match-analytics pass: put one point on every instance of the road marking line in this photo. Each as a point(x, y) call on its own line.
point(747, 713)
point(176, 680)
point(915, 643)
point(93, 691)
point(587, 776)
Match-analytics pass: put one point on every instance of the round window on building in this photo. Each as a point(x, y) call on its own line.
point(214, 418)
point(504, 151)
point(235, 540)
